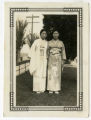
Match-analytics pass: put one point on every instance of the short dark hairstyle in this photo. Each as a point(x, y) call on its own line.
point(42, 31)
point(55, 30)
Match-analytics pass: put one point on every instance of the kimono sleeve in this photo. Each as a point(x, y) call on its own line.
point(32, 66)
point(31, 51)
point(63, 52)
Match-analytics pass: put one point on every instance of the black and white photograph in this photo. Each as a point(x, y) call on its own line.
point(46, 60)
point(46, 57)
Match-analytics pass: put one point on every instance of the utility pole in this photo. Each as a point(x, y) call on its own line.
point(32, 21)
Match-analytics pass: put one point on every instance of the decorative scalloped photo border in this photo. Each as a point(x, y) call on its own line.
point(46, 108)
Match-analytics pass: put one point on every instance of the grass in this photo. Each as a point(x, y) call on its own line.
point(67, 97)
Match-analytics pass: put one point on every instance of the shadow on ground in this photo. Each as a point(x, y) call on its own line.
point(67, 97)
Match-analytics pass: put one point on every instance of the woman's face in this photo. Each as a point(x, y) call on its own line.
point(55, 35)
point(43, 35)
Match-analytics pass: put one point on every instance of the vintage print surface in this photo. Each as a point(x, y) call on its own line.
point(46, 59)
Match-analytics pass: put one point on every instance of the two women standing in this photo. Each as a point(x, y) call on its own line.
point(54, 50)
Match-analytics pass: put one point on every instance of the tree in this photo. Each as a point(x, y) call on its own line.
point(20, 26)
point(67, 27)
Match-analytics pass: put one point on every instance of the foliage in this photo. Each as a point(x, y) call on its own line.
point(20, 26)
point(31, 38)
point(21, 35)
point(67, 27)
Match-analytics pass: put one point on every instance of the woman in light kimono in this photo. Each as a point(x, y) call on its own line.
point(38, 62)
point(55, 60)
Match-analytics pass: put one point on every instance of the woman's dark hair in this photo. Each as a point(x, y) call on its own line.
point(55, 31)
point(42, 31)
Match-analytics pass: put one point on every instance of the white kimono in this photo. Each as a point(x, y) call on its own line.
point(38, 64)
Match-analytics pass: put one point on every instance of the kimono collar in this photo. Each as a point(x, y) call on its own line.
point(55, 40)
point(42, 39)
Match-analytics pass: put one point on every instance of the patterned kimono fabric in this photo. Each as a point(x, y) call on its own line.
point(56, 54)
point(38, 64)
